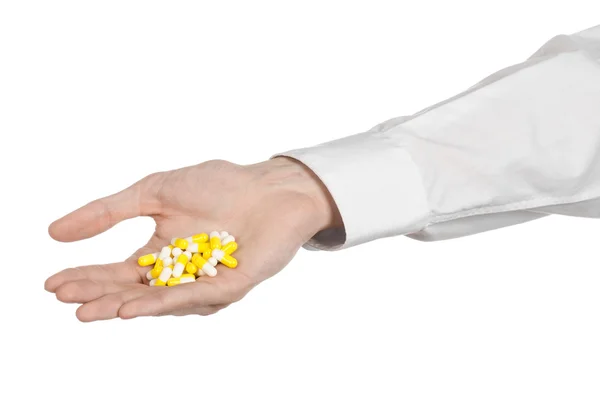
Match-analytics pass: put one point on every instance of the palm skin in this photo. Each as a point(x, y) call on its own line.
point(272, 208)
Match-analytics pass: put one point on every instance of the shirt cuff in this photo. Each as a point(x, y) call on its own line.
point(375, 184)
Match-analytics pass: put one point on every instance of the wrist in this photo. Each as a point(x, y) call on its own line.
point(319, 211)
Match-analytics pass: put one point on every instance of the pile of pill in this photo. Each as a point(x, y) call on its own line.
point(186, 259)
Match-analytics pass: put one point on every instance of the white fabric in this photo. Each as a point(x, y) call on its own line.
point(521, 144)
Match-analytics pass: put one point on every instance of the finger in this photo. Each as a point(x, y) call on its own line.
point(100, 215)
point(122, 272)
point(82, 291)
point(108, 306)
point(202, 311)
point(186, 296)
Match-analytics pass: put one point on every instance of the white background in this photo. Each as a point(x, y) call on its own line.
point(95, 95)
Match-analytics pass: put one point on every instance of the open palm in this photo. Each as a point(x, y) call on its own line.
point(272, 208)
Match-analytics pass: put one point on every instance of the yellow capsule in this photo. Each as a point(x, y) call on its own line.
point(148, 260)
point(229, 261)
point(159, 283)
point(200, 238)
point(171, 246)
point(171, 266)
point(207, 254)
point(156, 271)
point(181, 243)
point(230, 248)
point(191, 268)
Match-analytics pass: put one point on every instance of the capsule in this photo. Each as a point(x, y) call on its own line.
point(156, 271)
point(191, 268)
point(148, 260)
point(158, 283)
point(149, 275)
point(230, 247)
point(180, 266)
point(227, 260)
point(153, 282)
point(207, 266)
point(165, 275)
point(227, 240)
point(197, 238)
point(223, 235)
point(180, 243)
point(207, 254)
point(165, 252)
point(215, 240)
point(188, 254)
point(186, 278)
point(198, 247)
point(200, 273)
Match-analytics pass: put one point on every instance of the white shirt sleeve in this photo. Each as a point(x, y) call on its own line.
point(521, 144)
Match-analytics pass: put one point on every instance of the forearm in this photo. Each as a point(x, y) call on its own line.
point(520, 144)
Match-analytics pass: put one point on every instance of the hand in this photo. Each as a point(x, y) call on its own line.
point(272, 208)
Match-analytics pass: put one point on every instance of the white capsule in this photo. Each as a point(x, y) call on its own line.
point(149, 275)
point(217, 254)
point(168, 261)
point(173, 240)
point(214, 234)
point(188, 254)
point(152, 282)
point(178, 269)
point(200, 273)
point(227, 240)
point(176, 252)
point(223, 235)
point(165, 275)
point(165, 252)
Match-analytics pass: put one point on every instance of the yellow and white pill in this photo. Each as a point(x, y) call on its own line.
point(197, 238)
point(156, 271)
point(179, 267)
point(186, 278)
point(227, 260)
point(229, 248)
point(165, 275)
point(198, 247)
point(207, 266)
point(148, 260)
point(180, 243)
point(215, 240)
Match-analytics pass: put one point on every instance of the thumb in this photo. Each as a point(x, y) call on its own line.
point(140, 199)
